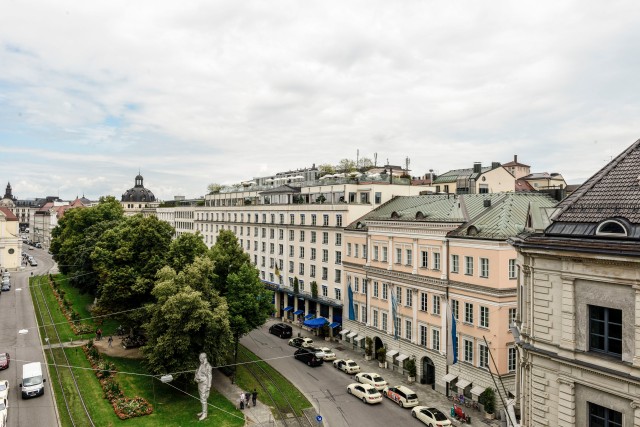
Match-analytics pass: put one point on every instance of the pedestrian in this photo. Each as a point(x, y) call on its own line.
point(254, 397)
point(241, 401)
point(110, 340)
point(247, 396)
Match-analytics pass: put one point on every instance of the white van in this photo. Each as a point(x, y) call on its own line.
point(32, 382)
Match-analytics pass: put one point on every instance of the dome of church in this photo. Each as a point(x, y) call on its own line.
point(8, 201)
point(138, 193)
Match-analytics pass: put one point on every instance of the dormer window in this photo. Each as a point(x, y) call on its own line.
point(611, 227)
point(420, 215)
point(395, 215)
point(472, 231)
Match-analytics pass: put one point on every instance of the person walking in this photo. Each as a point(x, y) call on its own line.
point(110, 340)
point(241, 400)
point(254, 397)
point(247, 396)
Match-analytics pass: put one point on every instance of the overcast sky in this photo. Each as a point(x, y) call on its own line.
point(190, 93)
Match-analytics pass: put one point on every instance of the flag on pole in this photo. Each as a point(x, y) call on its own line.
point(394, 313)
point(352, 315)
point(452, 338)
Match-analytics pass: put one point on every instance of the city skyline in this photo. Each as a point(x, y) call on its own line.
point(193, 94)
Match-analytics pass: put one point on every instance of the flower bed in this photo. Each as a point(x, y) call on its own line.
point(72, 317)
point(124, 407)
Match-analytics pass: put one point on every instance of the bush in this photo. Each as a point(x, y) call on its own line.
point(410, 366)
point(382, 354)
point(488, 399)
point(368, 346)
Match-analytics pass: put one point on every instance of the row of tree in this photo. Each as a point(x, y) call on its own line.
point(184, 297)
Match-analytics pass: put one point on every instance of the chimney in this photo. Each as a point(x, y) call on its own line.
point(477, 167)
point(487, 203)
point(515, 158)
point(495, 165)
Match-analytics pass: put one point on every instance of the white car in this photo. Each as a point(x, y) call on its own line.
point(430, 416)
point(301, 342)
point(3, 412)
point(371, 378)
point(327, 354)
point(4, 389)
point(365, 392)
point(346, 366)
point(403, 396)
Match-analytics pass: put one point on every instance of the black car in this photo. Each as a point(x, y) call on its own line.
point(281, 330)
point(308, 356)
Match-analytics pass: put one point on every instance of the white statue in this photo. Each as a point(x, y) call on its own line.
point(203, 378)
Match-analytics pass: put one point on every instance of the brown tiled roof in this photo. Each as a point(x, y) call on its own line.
point(522, 185)
point(613, 192)
point(8, 214)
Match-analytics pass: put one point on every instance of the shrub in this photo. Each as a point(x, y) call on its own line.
point(382, 354)
point(410, 366)
point(488, 399)
point(368, 346)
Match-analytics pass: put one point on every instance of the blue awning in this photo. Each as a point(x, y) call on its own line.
point(316, 323)
point(298, 312)
point(309, 316)
point(334, 325)
point(288, 308)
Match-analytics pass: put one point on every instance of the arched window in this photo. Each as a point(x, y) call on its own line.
point(420, 215)
point(611, 227)
point(395, 215)
point(472, 231)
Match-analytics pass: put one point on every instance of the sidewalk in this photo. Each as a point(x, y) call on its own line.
point(426, 395)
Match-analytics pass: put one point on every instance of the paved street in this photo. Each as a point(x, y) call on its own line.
point(16, 312)
point(325, 386)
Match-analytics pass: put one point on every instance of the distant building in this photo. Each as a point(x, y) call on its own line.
point(476, 180)
point(10, 242)
point(138, 198)
point(579, 305)
point(517, 169)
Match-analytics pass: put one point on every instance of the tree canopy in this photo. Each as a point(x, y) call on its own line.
point(228, 257)
point(184, 249)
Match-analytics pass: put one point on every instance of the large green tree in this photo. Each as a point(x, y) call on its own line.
point(228, 257)
point(75, 236)
point(126, 259)
point(187, 318)
point(184, 249)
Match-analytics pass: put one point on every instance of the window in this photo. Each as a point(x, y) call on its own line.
point(375, 318)
point(364, 251)
point(325, 255)
point(378, 198)
point(512, 316)
point(301, 284)
point(484, 267)
point(356, 283)
point(409, 301)
point(313, 253)
point(338, 257)
point(409, 256)
point(511, 359)
point(312, 271)
point(398, 255)
point(512, 269)
point(365, 287)
point(436, 260)
point(385, 251)
point(356, 250)
point(325, 290)
point(325, 273)
point(301, 251)
point(264, 246)
point(484, 317)
point(338, 220)
point(454, 307)
point(325, 220)
point(424, 259)
point(291, 249)
point(423, 335)
point(605, 330)
point(483, 356)
point(435, 339)
point(363, 316)
point(385, 291)
point(314, 219)
point(397, 325)
point(398, 295)
point(468, 351)
point(264, 232)
point(272, 248)
point(301, 219)
point(407, 329)
point(272, 233)
point(280, 249)
point(273, 218)
point(338, 239)
point(424, 301)
point(291, 234)
point(325, 238)
point(313, 237)
point(290, 266)
point(468, 266)
point(348, 249)
point(436, 304)
point(599, 416)
point(384, 321)
point(468, 312)
point(338, 293)
point(280, 234)
point(292, 219)
point(364, 198)
point(375, 289)
point(338, 276)
point(262, 263)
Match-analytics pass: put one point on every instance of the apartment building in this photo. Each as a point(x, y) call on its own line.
point(413, 258)
point(476, 180)
point(10, 243)
point(293, 229)
point(579, 305)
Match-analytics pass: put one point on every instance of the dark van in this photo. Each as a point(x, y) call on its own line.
point(281, 330)
point(308, 356)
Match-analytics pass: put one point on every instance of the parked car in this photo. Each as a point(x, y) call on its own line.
point(301, 342)
point(4, 389)
point(3, 411)
point(282, 330)
point(403, 396)
point(6, 286)
point(365, 392)
point(33, 262)
point(6, 274)
point(327, 354)
point(430, 416)
point(371, 378)
point(308, 356)
point(4, 360)
point(346, 366)
point(38, 245)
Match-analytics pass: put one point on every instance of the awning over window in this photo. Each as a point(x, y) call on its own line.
point(477, 390)
point(344, 331)
point(392, 353)
point(297, 312)
point(309, 316)
point(288, 308)
point(316, 323)
point(402, 357)
point(334, 325)
point(352, 334)
point(449, 377)
point(462, 383)
point(358, 338)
